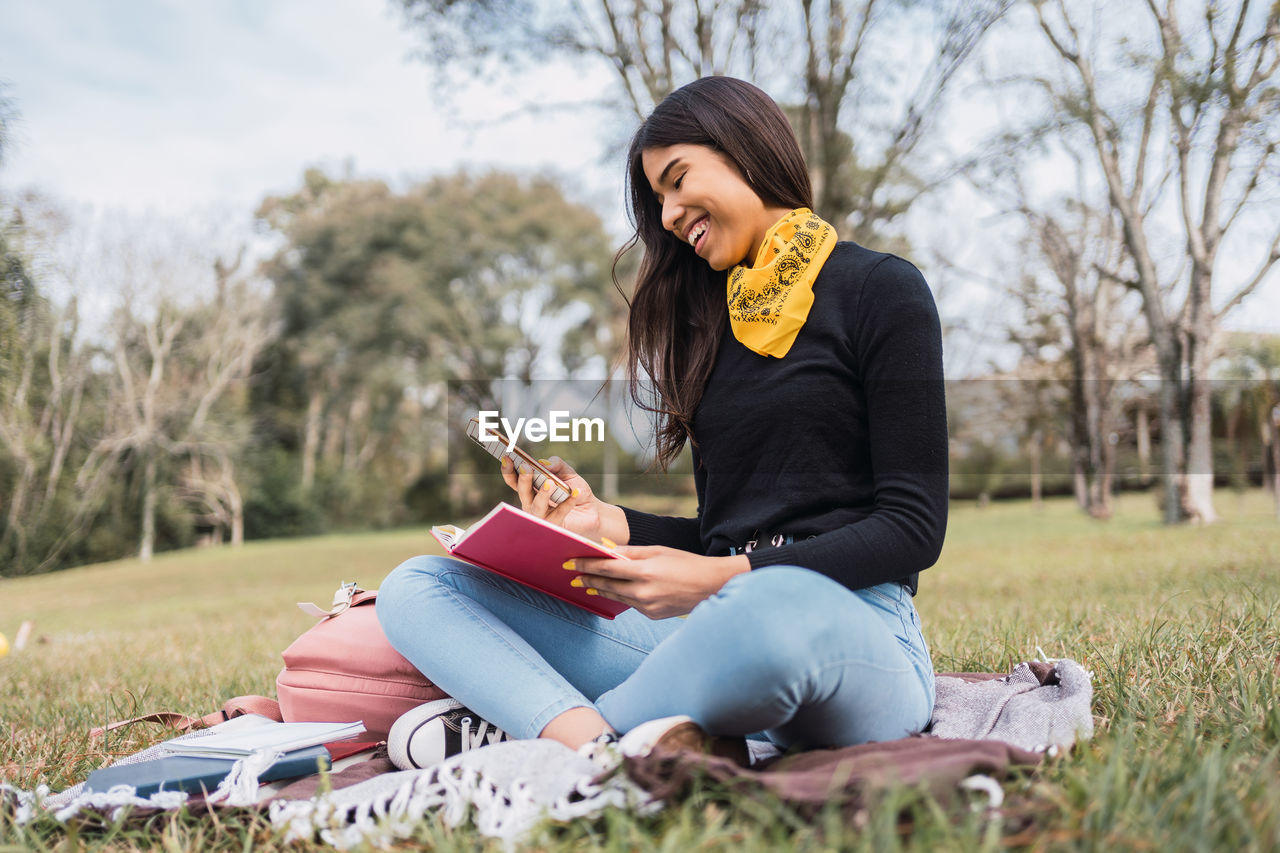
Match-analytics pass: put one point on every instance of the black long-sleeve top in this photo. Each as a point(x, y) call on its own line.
point(841, 443)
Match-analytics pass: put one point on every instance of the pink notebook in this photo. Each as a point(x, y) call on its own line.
point(512, 543)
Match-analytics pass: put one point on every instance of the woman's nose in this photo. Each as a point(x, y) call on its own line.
point(671, 213)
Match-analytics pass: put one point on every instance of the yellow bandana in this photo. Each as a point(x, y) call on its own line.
point(769, 302)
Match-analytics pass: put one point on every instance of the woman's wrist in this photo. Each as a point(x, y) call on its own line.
point(613, 523)
point(738, 564)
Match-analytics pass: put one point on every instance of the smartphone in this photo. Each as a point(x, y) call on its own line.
point(497, 448)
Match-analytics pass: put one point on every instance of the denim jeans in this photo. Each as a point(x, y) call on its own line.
point(781, 652)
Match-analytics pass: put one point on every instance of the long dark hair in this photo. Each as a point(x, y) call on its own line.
point(680, 304)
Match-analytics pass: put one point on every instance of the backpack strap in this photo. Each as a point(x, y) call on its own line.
point(234, 707)
point(346, 595)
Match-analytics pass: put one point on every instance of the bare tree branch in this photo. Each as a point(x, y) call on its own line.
point(1273, 255)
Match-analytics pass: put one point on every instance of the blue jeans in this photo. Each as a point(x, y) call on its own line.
point(781, 651)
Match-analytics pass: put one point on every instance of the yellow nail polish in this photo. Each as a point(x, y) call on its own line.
point(570, 565)
point(506, 462)
point(608, 543)
point(592, 591)
point(576, 582)
point(545, 461)
point(546, 485)
point(576, 492)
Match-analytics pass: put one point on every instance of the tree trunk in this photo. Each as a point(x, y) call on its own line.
point(1079, 485)
point(1273, 422)
point(1239, 476)
point(335, 427)
point(356, 414)
point(1142, 427)
point(237, 515)
point(1099, 432)
point(62, 446)
point(1171, 443)
point(1036, 452)
point(14, 539)
point(1079, 431)
point(147, 545)
point(1106, 481)
point(311, 440)
point(1200, 445)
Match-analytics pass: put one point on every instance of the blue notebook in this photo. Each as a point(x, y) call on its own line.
point(192, 774)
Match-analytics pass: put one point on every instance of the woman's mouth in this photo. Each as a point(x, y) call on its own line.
point(698, 233)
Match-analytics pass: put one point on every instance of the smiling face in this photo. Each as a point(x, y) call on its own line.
point(706, 203)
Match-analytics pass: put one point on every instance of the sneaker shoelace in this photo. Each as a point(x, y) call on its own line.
point(473, 740)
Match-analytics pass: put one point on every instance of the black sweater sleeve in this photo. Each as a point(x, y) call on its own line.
point(897, 346)
point(674, 532)
point(650, 529)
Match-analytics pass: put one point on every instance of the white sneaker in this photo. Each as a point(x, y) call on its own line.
point(438, 730)
point(602, 751)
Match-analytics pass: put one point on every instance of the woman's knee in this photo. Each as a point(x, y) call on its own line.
point(783, 612)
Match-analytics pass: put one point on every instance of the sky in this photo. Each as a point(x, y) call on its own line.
point(185, 110)
point(169, 106)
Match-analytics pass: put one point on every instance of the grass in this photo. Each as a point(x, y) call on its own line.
point(1180, 627)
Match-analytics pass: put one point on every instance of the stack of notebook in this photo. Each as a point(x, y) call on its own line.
point(195, 764)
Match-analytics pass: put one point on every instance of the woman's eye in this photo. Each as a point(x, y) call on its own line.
point(677, 182)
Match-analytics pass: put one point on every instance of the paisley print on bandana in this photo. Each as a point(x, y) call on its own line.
point(769, 302)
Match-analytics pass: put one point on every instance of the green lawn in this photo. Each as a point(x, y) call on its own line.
point(1180, 627)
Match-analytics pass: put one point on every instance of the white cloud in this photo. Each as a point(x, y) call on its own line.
point(182, 108)
point(171, 106)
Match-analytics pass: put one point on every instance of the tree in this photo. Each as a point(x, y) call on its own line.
point(846, 54)
point(1253, 386)
point(46, 391)
point(1079, 324)
point(8, 115)
point(1209, 108)
point(391, 301)
point(177, 389)
point(1077, 327)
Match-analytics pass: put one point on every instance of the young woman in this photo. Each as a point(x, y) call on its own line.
point(806, 374)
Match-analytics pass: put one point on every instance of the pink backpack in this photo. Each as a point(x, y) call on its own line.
point(344, 668)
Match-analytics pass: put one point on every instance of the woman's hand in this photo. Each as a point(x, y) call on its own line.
point(656, 580)
point(580, 512)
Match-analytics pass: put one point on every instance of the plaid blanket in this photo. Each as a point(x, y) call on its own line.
point(985, 726)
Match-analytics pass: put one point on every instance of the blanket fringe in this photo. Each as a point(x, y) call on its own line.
point(31, 804)
point(454, 792)
point(240, 786)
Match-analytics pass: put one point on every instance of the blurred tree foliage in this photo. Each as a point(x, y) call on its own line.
point(395, 302)
point(216, 402)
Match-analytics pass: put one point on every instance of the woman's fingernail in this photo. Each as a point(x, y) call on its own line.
point(545, 461)
point(592, 591)
point(506, 462)
point(546, 485)
point(608, 543)
point(570, 565)
point(576, 582)
point(575, 493)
